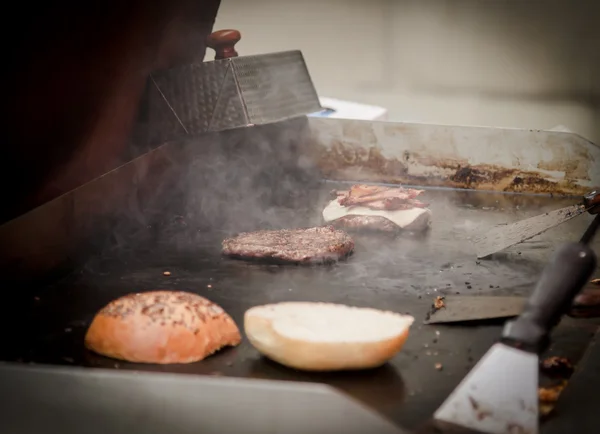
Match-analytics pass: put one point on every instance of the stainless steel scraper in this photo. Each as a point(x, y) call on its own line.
point(461, 308)
point(502, 237)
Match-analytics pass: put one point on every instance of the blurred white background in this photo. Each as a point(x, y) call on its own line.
point(509, 63)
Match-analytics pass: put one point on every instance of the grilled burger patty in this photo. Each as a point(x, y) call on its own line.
point(366, 223)
point(298, 246)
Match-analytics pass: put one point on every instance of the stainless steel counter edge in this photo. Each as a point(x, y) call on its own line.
point(82, 400)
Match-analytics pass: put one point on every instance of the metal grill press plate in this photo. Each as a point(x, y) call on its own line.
point(233, 93)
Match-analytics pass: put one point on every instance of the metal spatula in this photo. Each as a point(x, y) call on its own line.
point(461, 308)
point(502, 237)
point(499, 395)
point(464, 308)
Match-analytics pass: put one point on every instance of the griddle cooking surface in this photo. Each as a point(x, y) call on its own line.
point(403, 275)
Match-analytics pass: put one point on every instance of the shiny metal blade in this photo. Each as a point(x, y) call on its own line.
point(470, 308)
point(501, 237)
point(498, 396)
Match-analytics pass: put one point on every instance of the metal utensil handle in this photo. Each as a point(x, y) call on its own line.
point(562, 279)
point(588, 236)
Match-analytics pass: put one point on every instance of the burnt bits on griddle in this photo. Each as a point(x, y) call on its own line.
point(316, 245)
point(550, 394)
point(548, 397)
point(559, 369)
point(556, 367)
point(438, 303)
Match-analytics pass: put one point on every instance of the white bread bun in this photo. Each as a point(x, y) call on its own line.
point(414, 219)
point(161, 327)
point(324, 336)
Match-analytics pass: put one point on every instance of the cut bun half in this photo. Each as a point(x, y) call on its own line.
point(326, 337)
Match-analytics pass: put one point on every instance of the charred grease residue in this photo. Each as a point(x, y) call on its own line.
point(341, 161)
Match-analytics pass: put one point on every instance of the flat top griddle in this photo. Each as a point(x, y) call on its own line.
point(403, 275)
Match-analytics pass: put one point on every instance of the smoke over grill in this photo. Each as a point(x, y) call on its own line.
point(263, 177)
point(219, 184)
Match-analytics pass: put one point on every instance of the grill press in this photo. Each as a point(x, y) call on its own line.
point(231, 91)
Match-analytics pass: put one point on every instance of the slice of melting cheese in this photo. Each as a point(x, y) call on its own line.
point(403, 218)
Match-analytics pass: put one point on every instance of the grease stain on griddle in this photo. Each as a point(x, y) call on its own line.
point(367, 163)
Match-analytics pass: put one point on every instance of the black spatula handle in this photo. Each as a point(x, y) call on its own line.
point(567, 273)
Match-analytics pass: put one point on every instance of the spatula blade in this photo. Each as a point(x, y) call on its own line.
point(502, 237)
point(498, 396)
point(472, 308)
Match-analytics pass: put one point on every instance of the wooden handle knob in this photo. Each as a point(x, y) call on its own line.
point(223, 42)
